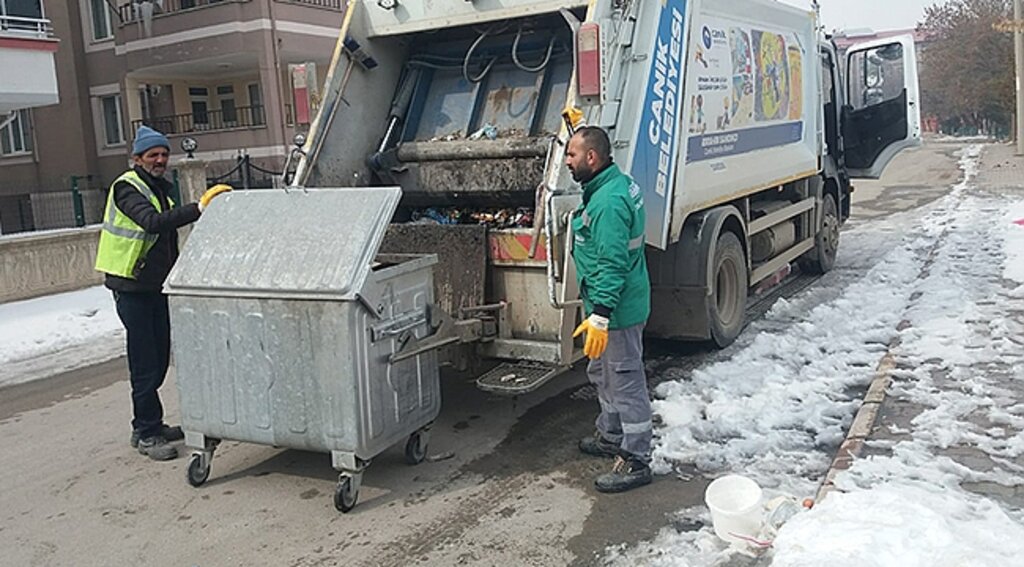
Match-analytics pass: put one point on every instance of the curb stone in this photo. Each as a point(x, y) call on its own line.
point(863, 423)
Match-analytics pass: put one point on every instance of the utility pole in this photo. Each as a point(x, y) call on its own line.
point(1018, 49)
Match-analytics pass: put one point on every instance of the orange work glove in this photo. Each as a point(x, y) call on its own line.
point(596, 328)
point(212, 192)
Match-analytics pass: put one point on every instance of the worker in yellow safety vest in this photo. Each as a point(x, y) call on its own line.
point(138, 246)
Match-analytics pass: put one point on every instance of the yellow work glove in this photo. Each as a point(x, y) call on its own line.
point(212, 192)
point(596, 328)
point(573, 118)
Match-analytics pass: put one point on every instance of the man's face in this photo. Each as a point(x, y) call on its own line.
point(580, 160)
point(154, 161)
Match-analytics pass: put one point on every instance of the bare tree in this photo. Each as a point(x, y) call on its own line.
point(967, 71)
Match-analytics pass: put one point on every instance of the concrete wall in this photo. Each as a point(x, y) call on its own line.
point(36, 264)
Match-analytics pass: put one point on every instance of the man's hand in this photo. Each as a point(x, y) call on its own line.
point(596, 328)
point(212, 192)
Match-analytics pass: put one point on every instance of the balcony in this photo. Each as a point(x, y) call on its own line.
point(206, 121)
point(27, 64)
point(25, 27)
point(137, 10)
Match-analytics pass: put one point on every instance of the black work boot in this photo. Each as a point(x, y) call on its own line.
point(628, 472)
point(157, 448)
point(167, 432)
point(597, 446)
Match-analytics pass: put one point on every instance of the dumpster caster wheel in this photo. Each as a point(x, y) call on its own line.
point(415, 449)
point(345, 495)
point(198, 471)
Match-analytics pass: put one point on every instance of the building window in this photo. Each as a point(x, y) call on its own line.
point(256, 104)
point(101, 28)
point(16, 135)
point(32, 9)
point(228, 111)
point(113, 129)
point(200, 99)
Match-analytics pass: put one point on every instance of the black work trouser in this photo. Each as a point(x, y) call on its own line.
point(148, 329)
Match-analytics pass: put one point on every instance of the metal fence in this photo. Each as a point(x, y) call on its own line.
point(83, 202)
point(80, 205)
point(51, 210)
point(246, 175)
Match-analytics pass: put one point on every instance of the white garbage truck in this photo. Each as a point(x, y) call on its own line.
point(739, 119)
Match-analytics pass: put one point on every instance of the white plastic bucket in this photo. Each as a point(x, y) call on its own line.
point(735, 504)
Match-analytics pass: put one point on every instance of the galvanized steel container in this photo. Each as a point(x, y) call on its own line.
point(283, 320)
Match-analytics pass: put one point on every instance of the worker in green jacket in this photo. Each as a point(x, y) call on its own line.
point(608, 251)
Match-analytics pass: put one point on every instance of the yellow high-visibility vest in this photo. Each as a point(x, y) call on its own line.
point(123, 243)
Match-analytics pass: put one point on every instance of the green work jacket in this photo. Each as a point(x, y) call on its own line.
point(608, 249)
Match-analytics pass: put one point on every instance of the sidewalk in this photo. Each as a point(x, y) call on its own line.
point(946, 410)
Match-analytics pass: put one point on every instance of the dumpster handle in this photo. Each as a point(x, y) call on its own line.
point(401, 324)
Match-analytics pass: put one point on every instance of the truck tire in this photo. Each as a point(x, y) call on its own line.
point(823, 256)
point(728, 301)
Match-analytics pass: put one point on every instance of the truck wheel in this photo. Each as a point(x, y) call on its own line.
point(727, 307)
point(823, 256)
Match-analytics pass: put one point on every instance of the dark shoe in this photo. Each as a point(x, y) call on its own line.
point(627, 473)
point(157, 448)
point(598, 446)
point(169, 433)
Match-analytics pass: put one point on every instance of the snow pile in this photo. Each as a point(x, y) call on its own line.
point(900, 524)
point(958, 361)
point(47, 335)
point(777, 409)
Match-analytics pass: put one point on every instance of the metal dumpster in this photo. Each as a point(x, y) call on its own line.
point(284, 318)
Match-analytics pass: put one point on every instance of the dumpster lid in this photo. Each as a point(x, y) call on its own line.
point(313, 243)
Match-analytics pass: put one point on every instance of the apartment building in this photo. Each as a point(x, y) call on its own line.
point(28, 79)
point(223, 72)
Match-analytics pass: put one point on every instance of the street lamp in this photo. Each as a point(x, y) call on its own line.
point(189, 146)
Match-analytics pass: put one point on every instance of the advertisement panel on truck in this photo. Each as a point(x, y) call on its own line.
point(749, 93)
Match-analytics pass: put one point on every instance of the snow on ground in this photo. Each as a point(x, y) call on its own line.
point(776, 409)
point(961, 139)
point(47, 335)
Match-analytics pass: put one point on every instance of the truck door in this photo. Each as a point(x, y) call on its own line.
point(882, 114)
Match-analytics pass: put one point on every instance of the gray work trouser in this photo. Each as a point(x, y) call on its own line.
point(622, 390)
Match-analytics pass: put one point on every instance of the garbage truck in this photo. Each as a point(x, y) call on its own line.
point(740, 120)
point(428, 205)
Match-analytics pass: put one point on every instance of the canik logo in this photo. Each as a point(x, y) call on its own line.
point(706, 36)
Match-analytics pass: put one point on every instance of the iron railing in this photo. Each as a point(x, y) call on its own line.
point(206, 121)
point(329, 4)
point(35, 28)
point(132, 11)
